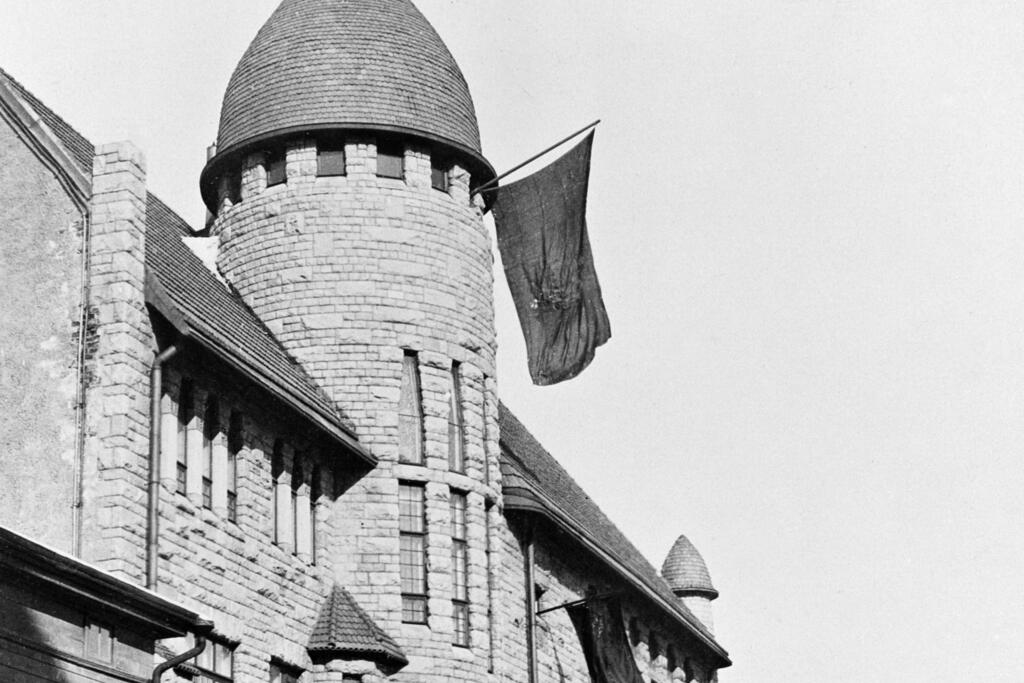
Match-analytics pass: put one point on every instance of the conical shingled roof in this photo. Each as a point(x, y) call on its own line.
point(684, 570)
point(345, 629)
point(364, 64)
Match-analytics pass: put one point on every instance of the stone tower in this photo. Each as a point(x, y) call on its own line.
point(340, 190)
point(687, 575)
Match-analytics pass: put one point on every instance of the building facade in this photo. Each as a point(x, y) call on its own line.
point(288, 421)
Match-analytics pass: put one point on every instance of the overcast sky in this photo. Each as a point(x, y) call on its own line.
point(807, 221)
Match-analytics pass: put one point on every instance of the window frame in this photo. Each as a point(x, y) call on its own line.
point(458, 505)
point(390, 151)
point(213, 647)
point(327, 150)
point(410, 410)
point(236, 441)
point(440, 170)
point(456, 424)
point(276, 167)
point(211, 430)
point(186, 413)
point(418, 531)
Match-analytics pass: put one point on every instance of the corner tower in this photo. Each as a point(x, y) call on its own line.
point(340, 190)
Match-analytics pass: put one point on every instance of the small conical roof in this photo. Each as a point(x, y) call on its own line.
point(684, 570)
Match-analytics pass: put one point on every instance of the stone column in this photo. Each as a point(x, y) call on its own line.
point(117, 366)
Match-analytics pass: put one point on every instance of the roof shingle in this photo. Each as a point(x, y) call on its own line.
point(527, 467)
point(344, 628)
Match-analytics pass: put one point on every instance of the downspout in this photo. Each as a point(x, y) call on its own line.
point(180, 659)
point(78, 477)
point(531, 607)
point(153, 512)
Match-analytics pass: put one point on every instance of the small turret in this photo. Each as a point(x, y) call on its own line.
point(687, 575)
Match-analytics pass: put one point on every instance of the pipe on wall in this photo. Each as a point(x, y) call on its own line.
point(531, 607)
point(153, 510)
point(160, 669)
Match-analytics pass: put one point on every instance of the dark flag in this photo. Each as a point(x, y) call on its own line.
point(542, 236)
point(598, 623)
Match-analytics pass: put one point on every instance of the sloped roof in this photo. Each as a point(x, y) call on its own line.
point(345, 629)
point(685, 571)
point(221, 322)
point(374, 65)
point(184, 290)
point(532, 480)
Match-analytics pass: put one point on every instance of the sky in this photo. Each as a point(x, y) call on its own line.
point(806, 218)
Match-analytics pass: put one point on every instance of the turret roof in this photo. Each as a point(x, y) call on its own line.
point(363, 64)
point(685, 571)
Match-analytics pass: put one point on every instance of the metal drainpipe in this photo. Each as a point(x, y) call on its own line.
point(531, 608)
point(180, 659)
point(83, 339)
point(155, 419)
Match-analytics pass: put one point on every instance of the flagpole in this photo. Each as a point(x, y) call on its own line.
point(576, 603)
point(488, 185)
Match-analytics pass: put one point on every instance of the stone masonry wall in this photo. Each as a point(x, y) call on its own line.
point(41, 263)
point(264, 597)
point(565, 571)
point(117, 393)
point(350, 272)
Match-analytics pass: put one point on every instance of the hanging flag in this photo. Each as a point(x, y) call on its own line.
point(599, 626)
point(542, 237)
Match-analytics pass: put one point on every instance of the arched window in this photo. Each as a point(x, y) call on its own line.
point(296, 513)
point(276, 480)
point(456, 432)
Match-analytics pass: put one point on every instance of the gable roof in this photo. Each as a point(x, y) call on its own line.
point(533, 481)
point(344, 628)
point(181, 288)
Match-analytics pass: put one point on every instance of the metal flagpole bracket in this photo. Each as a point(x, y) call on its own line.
point(583, 601)
point(491, 184)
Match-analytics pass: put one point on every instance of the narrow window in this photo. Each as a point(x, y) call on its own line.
point(390, 161)
point(216, 663)
point(487, 435)
point(296, 485)
point(98, 642)
point(652, 645)
point(460, 571)
point(276, 474)
point(412, 526)
point(235, 187)
point(234, 449)
point(315, 492)
point(184, 420)
point(410, 412)
point(490, 590)
point(211, 427)
point(438, 175)
point(456, 433)
point(330, 158)
point(634, 631)
point(670, 654)
point(276, 168)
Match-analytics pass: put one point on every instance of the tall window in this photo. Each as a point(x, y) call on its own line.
point(276, 472)
point(456, 433)
point(185, 410)
point(211, 427)
point(276, 167)
point(296, 485)
point(412, 526)
point(487, 436)
point(234, 448)
point(410, 412)
point(314, 501)
point(460, 571)
point(390, 160)
point(216, 663)
point(330, 158)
